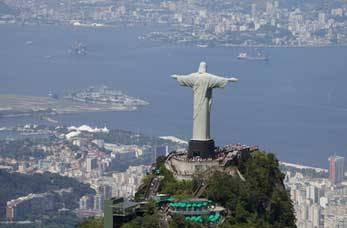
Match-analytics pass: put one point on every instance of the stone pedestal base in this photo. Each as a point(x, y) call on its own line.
point(202, 148)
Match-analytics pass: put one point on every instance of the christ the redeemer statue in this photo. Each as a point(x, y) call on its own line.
point(202, 83)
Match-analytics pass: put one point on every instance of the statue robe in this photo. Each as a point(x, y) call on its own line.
point(202, 84)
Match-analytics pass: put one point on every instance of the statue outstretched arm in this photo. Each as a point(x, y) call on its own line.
point(184, 80)
point(219, 82)
point(233, 79)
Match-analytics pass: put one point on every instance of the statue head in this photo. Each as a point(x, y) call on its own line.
point(202, 67)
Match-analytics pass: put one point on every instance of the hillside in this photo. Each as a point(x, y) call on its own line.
point(18, 185)
point(259, 201)
point(255, 199)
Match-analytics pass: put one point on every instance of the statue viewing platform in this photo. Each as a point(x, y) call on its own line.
point(184, 167)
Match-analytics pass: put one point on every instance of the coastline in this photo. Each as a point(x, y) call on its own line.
point(179, 44)
point(23, 106)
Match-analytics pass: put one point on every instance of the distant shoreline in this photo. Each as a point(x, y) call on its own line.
point(285, 46)
point(195, 44)
point(20, 106)
point(317, 169)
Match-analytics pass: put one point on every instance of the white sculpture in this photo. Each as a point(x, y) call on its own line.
point(202, 84)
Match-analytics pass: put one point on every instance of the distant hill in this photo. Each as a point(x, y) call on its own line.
point(15, 185)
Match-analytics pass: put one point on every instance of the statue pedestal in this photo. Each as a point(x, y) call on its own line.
point(202, 148)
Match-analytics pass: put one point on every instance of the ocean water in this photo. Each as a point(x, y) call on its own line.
point(294, 105)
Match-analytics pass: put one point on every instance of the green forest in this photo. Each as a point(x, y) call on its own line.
point(261, 201)
point(18, 185)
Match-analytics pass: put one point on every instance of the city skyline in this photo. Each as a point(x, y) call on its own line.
point(265, 23)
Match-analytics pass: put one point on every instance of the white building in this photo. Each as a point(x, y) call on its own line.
point(127, 183)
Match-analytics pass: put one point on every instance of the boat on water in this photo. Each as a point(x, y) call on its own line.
point(78, 49)
point(53, 95)
point(202, 45)
point(29, 42)
point(258, 56)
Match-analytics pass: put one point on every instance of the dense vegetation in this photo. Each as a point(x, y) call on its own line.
point(260, 201)
point(20, 185)
point(169, 185)
point(92, 223)
point(19, 149)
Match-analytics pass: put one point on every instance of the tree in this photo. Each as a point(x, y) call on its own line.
point(92, 223)
point(260, 201)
